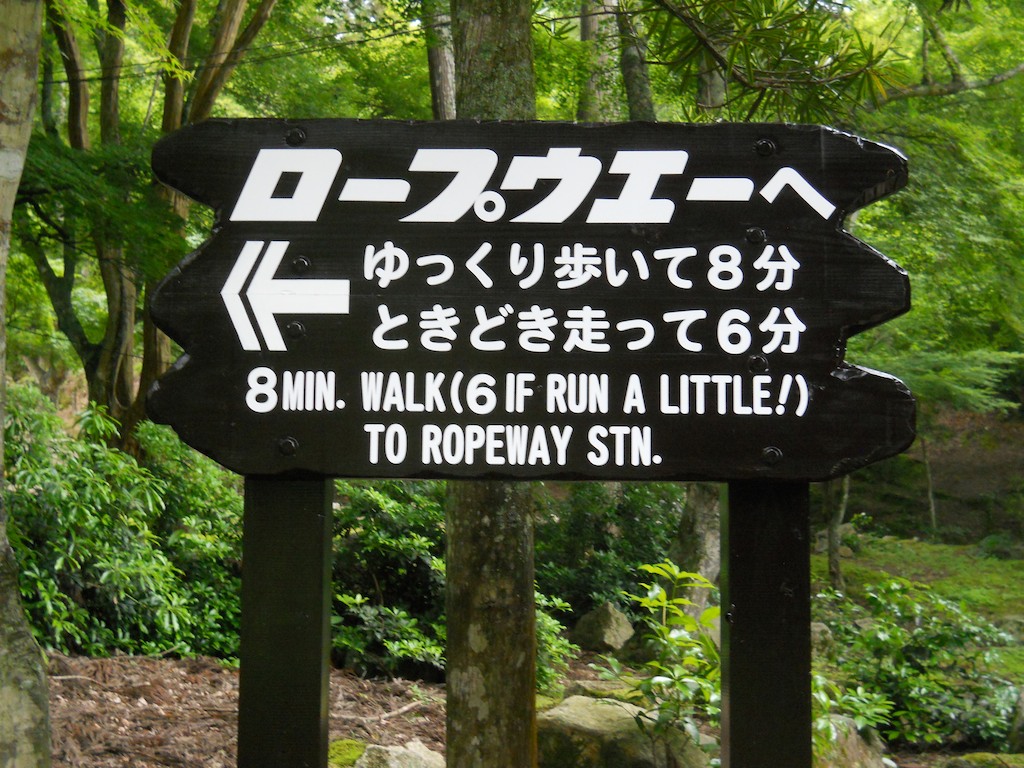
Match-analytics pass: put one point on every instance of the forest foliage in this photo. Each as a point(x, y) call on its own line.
point(130, 542)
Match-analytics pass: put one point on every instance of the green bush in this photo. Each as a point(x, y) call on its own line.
point(928, 657)
point(683, 677)
point(200, 531)
point(553, 648)
point(83, 521)
point(591, 541)
point(390, 578)
point(864, 708)
point(122, 557)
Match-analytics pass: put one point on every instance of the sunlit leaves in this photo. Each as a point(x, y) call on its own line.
point(781, 59)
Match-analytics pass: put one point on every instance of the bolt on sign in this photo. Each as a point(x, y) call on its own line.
point(527, 300)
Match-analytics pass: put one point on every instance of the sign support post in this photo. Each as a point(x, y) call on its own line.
point(766, 644)
point(285, 643)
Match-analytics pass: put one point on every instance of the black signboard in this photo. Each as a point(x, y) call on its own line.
point(470, 300)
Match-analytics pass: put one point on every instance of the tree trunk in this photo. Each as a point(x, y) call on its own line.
point(933, 510)
point(108, 364)
point(174, 86)
point(835, 514)
point(228, 49)
point(697, 546)
point(78, 88)
point(491, 613)
point(24, 708)
point(491, 652)
point(636, 78)
point(597, 24)
point(440, 58)
point(711, 85)
point(493, 59)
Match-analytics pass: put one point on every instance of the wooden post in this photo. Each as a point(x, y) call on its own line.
point(766, 638)
point(285, 644)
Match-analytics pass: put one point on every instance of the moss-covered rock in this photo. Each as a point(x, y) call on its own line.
point(600, 733)
point(344, 753)
point(985, 760)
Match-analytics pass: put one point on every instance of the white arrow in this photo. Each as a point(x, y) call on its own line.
point(269, 296)
point(789, 177)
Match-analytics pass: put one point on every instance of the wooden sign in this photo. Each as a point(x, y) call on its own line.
point(530, 300)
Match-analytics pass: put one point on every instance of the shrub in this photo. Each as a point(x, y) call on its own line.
point(683, 678)
point(390, 576)
point(83, 521)
point(927, 656)
point(200, 530)
point(591, 542)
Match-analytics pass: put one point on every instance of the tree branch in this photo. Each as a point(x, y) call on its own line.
point(228, 50)
point(956, 69)
point(951, 87)
point(174, 86)
point(78, 91)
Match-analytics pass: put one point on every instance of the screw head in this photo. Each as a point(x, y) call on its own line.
point(288, 446)
point(301, 265)
point(765, 147)
point(771, 455)
point(295, 136)
point(757, 364)
point(295, 329)
point(756, 235)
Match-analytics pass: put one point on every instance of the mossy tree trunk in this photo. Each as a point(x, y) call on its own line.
point(491, 616)
point(24, 710)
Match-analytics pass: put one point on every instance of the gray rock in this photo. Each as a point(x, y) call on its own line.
point(852, 749)
point(582, 732)
point(412, 755)
point(602, 630)
point(823, 642)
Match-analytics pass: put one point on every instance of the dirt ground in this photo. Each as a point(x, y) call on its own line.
point(154, 713)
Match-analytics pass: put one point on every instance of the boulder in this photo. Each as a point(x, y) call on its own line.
point(412, 755)
point(823, 642)
point(603, 630)
point(582, 732)
point(852, 749)
point(620, 690)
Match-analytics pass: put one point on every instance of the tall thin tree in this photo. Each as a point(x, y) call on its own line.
point(491, 614)
point(24, 708)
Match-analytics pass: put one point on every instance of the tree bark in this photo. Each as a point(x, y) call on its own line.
point(933, 510)
point(490, 600)
point(597, 24)
point(78, 88)
point(493, 59)
point(228, 49)
point(174, 86)
point(491, 654)
point(440, 58)
point(698, 542)
point(636, 78)
point(836, 513)
point(24, 708)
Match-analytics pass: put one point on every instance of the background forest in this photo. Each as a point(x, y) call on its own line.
point(129, 542)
